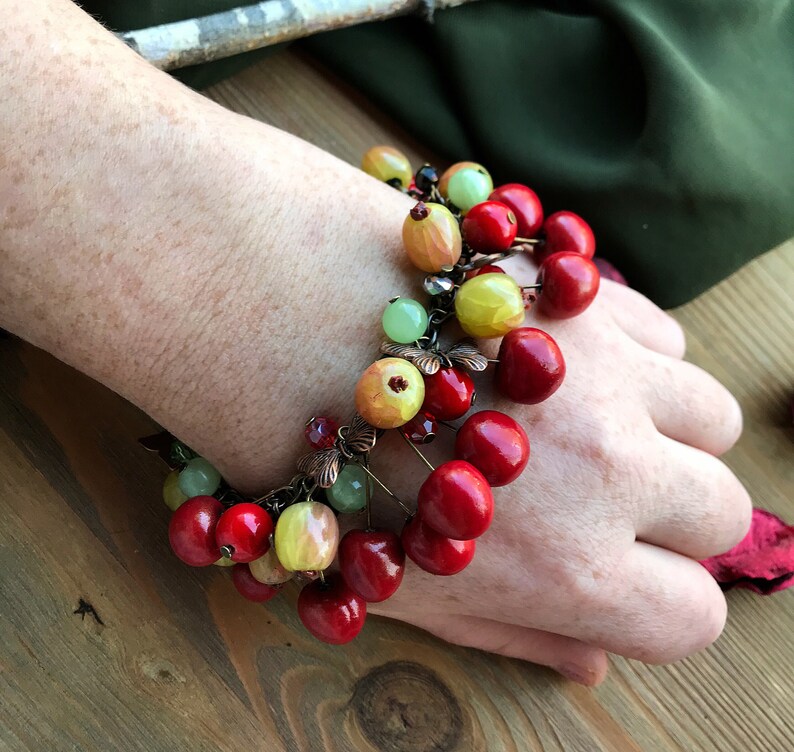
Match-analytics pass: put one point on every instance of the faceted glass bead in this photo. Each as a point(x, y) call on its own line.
point(199, 478)
point(389, 393)
point(172, 495)
point(307, 536)
point(431, 236)
point(469, 187)
point(387, 163)
point(489, 305)
point(435, 285)
point(426, 177)
point(349, 492)
point(421, 429)
point(404, 320)
point(320, 433)
point(443, 184)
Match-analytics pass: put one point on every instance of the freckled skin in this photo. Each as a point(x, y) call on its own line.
point(134, 245)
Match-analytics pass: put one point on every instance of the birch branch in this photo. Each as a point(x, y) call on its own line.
point(201, 40)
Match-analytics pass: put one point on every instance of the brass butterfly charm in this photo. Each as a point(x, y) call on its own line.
point(323, 466)
point(463, 353)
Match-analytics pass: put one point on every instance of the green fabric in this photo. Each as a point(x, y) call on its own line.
point(667, 124)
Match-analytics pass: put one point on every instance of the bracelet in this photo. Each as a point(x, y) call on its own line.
point(456, 233)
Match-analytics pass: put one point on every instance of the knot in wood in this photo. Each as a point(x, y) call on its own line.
point(405, 707)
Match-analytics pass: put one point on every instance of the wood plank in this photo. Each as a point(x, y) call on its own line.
point(181, 662)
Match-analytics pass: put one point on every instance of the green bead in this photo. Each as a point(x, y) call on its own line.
point(199, 478)
point(469, 187)
point(404, 320)
point(349, 492)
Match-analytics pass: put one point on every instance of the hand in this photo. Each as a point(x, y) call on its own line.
point(593, 548)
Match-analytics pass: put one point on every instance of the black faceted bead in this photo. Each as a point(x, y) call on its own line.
point(426, 178)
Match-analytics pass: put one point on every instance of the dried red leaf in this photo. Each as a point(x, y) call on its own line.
point(762, 562)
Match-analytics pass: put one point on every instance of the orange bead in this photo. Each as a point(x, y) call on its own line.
point(431, 236)
point(450, 171)
point(387, 163)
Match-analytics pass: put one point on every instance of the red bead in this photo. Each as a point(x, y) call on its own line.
point(569, 283)
point(525, 205)
point(448, 393)
point(372, 563)
point(320, 432)
point(433, 552)
point(565, 232)
point(456, 501)
point(192, 531)
point(531, 367)
point(331, 611)
point(421, 429)
point(246, 529)
point(486, 269)
point(489, 227)
point(251, 588)
point(495, 444)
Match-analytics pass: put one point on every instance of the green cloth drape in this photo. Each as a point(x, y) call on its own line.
point(667, 124)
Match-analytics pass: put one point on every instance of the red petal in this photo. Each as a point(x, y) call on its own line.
point(762, 562)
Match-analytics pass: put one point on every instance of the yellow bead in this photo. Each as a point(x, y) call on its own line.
point(443, 183)
point(224, 562)
point(431, 236)
point(489, 305)
point(387, 163)
point(172, 494)
point(390, 393)
point(307, 536)
point(269, 570)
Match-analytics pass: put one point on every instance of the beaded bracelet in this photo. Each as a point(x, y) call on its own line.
point(457, 231)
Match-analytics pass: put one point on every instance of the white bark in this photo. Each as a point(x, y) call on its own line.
point(200, 40)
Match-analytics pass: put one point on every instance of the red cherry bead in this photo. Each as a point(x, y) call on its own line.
point(569, 283)
point(456, 501)
point(486, 269)
point(448, 393)
point(191, 531)
point(320, 433)
point(495, 444)
point(331, 611)
point(433, 552)
point(525, 205)
point(531, 367)
point(421, 429)
point(565, 232)
point(489, 227)
point(251, 588)
point(372, 563)
point(245, 529)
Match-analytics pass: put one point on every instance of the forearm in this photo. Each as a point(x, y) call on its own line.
point(137, 214)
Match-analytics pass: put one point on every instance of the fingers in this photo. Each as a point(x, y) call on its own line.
point(656, 606)
point(701, 509)
point(691, 406)
point(573, 659)
point(644, 321)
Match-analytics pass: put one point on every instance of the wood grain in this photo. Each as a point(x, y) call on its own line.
point(181, 662)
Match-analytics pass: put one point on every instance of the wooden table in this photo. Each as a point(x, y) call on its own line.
point(172, 659)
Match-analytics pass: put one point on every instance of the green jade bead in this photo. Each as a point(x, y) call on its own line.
point(199, 478)
point(469, 187)
point(404, 320)
point(349, 493)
